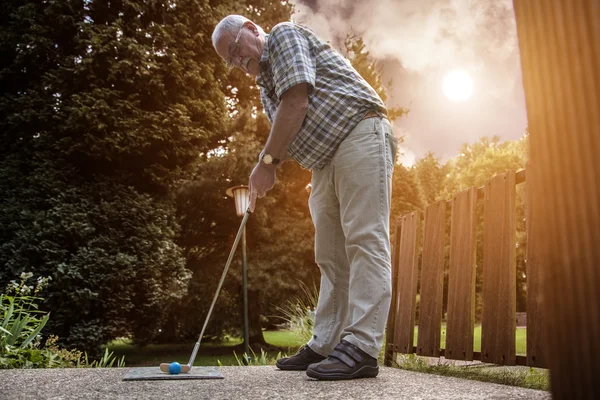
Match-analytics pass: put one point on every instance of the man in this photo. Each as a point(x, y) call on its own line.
point(326, 117)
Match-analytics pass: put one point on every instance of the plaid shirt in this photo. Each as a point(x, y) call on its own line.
point(338, 96)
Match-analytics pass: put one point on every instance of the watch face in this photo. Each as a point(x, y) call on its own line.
point(268, 159)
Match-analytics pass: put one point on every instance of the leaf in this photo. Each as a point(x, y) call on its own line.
point(9, 313)
point(17, 329)
point(5, 331)
point(36, 331)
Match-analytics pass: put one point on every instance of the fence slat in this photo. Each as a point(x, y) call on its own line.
point(407, 284)
point(391, 322)
point(559, 42)
point(498, 325)
point(534, 262)
point(461, 277)
point(432, 281)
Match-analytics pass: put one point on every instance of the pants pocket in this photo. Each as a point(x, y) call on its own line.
point(391, 147)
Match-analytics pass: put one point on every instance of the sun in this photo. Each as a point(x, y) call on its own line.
point(458, 85)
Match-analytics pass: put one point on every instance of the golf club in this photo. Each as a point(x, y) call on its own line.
point(187, 367)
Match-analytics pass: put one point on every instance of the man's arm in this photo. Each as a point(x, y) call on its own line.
point(288, 120)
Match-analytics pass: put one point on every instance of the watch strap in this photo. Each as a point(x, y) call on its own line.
point(275, 161)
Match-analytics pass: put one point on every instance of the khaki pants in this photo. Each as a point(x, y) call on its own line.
point(350, 208)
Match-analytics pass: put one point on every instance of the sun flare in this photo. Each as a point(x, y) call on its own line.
point(458, 85)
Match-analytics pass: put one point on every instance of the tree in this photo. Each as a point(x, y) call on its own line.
point(367, 68)
point(407, 195)
point(104, 107)
point(208, 232)
point(473, 167)
point(431, 176)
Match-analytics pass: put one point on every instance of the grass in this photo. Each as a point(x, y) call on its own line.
point(520, 339)
point(285, 339)
point(287, 342)
point(209, 354)
point(526, 377)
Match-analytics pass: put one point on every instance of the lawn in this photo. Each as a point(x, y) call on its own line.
point(213, 353)
point(210, 353)
point(521, 339)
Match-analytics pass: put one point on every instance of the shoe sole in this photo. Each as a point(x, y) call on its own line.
point(364, 372)
point(295, 367)
point(292, 367)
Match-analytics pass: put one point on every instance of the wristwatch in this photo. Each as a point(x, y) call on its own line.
point(269, 159)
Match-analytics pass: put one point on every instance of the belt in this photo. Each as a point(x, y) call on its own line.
point(370, 114)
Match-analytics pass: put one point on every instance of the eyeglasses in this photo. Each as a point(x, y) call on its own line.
point(233, 48)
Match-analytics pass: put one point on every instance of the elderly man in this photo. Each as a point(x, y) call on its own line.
point(326, 117)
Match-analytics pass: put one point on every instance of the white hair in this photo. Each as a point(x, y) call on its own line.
point(230, 25)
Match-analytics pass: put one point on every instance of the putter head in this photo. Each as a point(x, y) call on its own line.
point(185, 368)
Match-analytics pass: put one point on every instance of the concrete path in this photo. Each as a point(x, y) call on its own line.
point(247, 383)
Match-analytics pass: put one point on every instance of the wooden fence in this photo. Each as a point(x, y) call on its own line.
point(559, 42)
point(498, 325)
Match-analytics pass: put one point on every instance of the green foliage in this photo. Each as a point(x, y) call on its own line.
point(299, 311)
point(279, 233)
point(263, 359)
point(429, 181)
point(107, 361)
point(104, 106)
point(360, 59)
point(430, 176)
point(478, 162)
point(527, 377)
point(21, 323)
point(473, 167)
point(122, 128)
point(407, 193)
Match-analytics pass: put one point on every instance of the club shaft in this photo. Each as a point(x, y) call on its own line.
point(210, 310)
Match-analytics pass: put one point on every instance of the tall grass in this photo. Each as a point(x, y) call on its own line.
point(21, 325)
point(298, 311)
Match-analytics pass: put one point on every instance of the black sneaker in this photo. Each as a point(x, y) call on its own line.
point(346, 362)
point(300, 361)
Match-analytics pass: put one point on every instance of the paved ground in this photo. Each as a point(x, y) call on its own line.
point(248, 383)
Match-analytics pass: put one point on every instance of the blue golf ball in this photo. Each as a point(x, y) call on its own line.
point(174, 368)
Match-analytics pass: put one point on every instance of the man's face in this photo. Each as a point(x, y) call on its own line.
point(242, 51)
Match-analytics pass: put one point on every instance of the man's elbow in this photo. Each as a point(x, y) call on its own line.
point(297, 107)
point(296, 99)
point(301, 105)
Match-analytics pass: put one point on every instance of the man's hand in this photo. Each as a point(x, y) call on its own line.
point(262, 179)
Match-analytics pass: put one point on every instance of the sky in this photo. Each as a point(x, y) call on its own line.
point(418, 42)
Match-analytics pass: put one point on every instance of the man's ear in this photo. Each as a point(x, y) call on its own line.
point(252, 27)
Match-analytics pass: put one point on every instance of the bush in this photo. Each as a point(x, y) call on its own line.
point(21, 323)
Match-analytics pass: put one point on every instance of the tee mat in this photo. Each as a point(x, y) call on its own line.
point(154, 373)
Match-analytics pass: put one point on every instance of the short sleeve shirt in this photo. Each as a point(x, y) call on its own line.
point(338, 96)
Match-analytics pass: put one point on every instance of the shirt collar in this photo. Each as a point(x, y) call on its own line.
point(264, 62)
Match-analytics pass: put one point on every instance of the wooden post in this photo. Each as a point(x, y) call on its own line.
point(389, 359)
point(406, 297)
point(560, 42)
point(499, 317)
point(432, 281)
point(537, 353)
point(461, 280)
